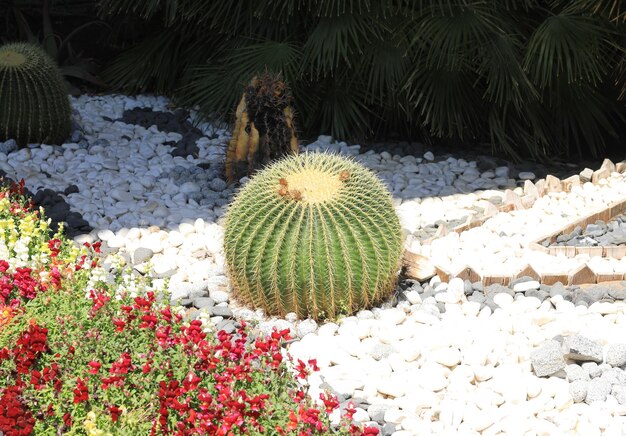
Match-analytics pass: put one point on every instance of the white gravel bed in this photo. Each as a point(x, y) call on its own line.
point(414, 369)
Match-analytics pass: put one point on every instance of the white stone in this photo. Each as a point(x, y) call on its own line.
point(446, 356)
point(526, 286)
point(409, 349)
point(327, 330)
point(432, 380)
point(526, 175)
point(392, 316)
point(471, 308)
point(503, 299)
point(413, 297)
point(392, 386)
point(417, 399)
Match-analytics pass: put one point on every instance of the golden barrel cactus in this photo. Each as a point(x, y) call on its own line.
point(314, 234)
point(34, 104)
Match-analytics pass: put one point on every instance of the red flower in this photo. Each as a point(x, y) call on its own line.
point(81, 392)
point(67, 420)
point(94, 367)
point(115, 413)
point(99, 300)
point(15, 418)
point(330, 402)
point(350, 410)
point(55, 247)
point(313, 364)
point(302, 370)
point(191, 382)
point(122, 365)
point(119, 324)
point(370, 430)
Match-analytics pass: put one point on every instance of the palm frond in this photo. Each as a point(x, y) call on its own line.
point(565, 45)
point(614, 9)
point(341, 109)
point(146, 9)
point(338, 41)
point(216, 86)
point(154, 64)
point(504, 78)
point(445, 101)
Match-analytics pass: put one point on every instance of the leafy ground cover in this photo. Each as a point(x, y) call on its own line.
point(83, 353)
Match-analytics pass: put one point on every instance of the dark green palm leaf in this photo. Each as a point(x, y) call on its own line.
point(339, 41)
point(154, 64)
point(216, 86)
point(571, 46)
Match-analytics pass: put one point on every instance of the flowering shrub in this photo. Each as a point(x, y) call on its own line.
point(80, 356)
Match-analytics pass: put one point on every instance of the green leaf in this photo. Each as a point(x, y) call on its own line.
point(571, 46)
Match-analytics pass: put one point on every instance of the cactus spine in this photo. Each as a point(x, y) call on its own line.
point(264, 128)
point(314, 234)
point(34, 105)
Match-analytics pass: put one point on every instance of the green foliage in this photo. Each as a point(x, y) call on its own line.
point(34, 105)
point(33, 22)
point(314, 234)
point(530, 77)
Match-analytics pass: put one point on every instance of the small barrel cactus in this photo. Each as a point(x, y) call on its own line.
point(264, 127)
point(34, 105)
point(314, 234)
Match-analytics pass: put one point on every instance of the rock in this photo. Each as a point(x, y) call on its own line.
point(558, 289)
point(217, 185)
point(409, 350)
point(449, 357)
point(141, 255)
point(497, 289)
point(538, 294)
point(522, 279)
point(576, 372)
point(502, 299)
point(586, 175)
point(616, 354)
point(597, 390)
point(71, 189)
point(203, 302)
point(578, 390)
point(579, 348)
point(223, 311)
point(227, 325)
point(619, 392)
point(592, 369)
point(613, 375)
point(381, 351)
point(618, 294)
point(429, 156)
point(391, 386)
point(477, 296)
point(377, 412)
point(389, 429)
point(526, 286)
point(219, 296)
point(526, 175)
point(8, 146)
point(467, 288)
point(305, 327)
point(413, 296)
point(548, 359)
